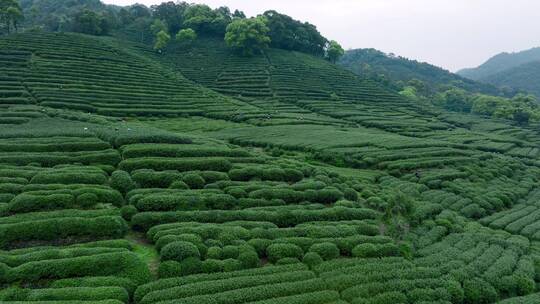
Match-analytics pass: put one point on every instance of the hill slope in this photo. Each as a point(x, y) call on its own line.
point(500, 63)
point(272, 179)
point(525, 77)
point(373, 63)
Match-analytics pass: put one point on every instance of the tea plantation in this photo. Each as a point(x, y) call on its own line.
point(198, 176)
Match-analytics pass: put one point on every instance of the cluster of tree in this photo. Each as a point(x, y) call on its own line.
point(86, 16)
point(395, 71)
point(10, 15)
point(521, 108)
point(248, 36)
point(159, 24)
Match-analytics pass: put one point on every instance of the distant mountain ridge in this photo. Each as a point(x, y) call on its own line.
point(520, 70)
point(500, 63)
point(374, 63)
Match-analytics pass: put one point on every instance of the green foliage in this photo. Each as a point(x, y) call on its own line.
point(521, 108)
point(179, 251)
point(194, 181)
point(289, 34)
point(128, 212)
point(11, 15)
point(278, 251)
point(61, 228)
point(90, 22)
point(121, 181)
point(478, 291)
point(454, 100)
point(162, 39)
point(248, 36)
point(334, 51)
point(327, 251)
point(398, 72)
point(186, 35)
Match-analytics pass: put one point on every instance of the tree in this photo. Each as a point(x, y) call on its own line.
point(171, 13)
point(454, 99)
point(88, 22)
point(204, 20)
point(248, 36)
point(521, 116)
point(162, 39)
point(10, 14)
point(334, 51)
point(186, 35)
point(397, 213)
point(289, 34)
point(157, 26)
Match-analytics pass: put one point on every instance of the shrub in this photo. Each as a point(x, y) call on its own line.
point(194, 181)
point(66, 177)
point(326, 250)
point(121, 181)
point(260, 245)
point(179, 251)
point(161, 164)
point(61, 228)
point(123, 264)
point(212, 265)
point(350, 194)
point(249, 259)
point(179, 185)
point(479, 291)
point(214, 252)
point(231, 265)
point(87, 200)
point(128, 212)
point(237, 192)
point(230, 252)
point(30, 202)
point(375, 250)
point(282, 218)
point(524, 284)
point(191, 265)
point(312, 259)
point(125, 283)
point(293, 175)
point(158, 286)
point(287, 261)
point(79, 293)
point(279, 251)
point(169, 269)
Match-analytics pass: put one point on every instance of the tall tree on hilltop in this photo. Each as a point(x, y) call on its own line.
point(334, 51)
point(248, 36)
point(171, 13)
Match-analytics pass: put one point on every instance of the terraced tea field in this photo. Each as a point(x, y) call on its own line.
point(197, 176)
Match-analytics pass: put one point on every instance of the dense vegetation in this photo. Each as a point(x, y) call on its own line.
point(500, 63)
point(510, 70)
point(396, 70)
point(200, 175)
point(427, 84)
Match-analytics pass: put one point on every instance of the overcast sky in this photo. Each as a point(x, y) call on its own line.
point(453, 34)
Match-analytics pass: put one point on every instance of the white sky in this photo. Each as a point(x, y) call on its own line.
point(452, 34)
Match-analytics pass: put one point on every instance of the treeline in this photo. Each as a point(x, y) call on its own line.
point(395, 71)
point(521, 108)
point(159, 24)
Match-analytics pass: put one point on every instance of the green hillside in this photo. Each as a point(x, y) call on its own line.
point(500, 63)
point(195, 175)
point(510, 70)
point(376, 64)
point(525, 77)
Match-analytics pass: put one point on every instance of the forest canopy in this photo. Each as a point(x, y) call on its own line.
point(135, 21)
